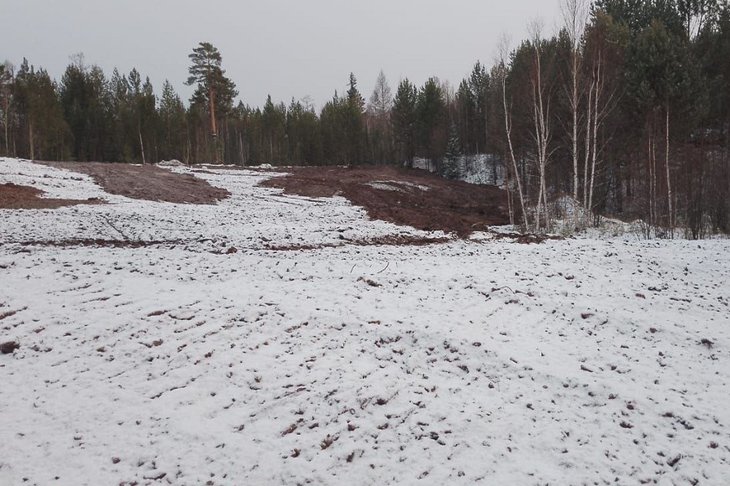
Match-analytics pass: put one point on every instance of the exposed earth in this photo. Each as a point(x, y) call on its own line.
point(405, 197)
point(147, 182)
point(13, 196)
point(408, 197)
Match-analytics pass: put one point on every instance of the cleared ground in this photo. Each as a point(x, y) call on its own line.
point(410, 197)
point(205, 357)
point(147, 182)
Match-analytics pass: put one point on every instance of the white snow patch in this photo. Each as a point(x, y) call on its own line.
point(170, 163)
point(396, 185)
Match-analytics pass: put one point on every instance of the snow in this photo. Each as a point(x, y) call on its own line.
point(170, 163)
point(577, 361)
point(397, 186)
point(476, 169)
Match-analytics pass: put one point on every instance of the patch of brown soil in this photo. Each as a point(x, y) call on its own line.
point(405, 197)
point(147, 182)
point(13, 196)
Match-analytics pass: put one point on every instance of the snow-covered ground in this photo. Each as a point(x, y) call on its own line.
point(473, 362)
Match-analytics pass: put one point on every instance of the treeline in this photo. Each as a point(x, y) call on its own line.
point(626, 110)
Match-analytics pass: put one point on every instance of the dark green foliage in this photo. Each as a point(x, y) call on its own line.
point(450, 165)
point(42, 130)
point(207, 74)
point(172, 124)
point(87, 102)
point(404, 118)
point(431, 133)
point(302, 130)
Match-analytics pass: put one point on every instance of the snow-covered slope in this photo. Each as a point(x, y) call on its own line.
point(571, 362)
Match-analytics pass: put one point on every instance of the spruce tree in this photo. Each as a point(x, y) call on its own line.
point(353, 123)
point(450, 168)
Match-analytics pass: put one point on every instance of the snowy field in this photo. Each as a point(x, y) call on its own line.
point(472, 362)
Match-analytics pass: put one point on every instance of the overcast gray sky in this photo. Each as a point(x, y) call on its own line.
point(286, 48)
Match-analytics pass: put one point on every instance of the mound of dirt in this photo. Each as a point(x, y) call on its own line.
point(13, 196)
point(147, 182)
point(404, 197)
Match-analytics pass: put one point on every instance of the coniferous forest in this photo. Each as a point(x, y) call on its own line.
point(626, 109)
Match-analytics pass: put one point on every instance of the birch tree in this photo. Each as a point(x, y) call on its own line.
point(575, 14)
point(6, 85)
point(542, 134)
point(501, 72)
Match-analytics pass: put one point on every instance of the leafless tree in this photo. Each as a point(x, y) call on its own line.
point(6, 81)
point(541, 117)
point(381, 101)
point(502, 74)
point(575, 15)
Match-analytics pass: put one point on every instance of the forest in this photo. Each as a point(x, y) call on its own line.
point(625, 109)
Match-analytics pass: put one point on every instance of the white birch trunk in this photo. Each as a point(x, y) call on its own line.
point(669, 179)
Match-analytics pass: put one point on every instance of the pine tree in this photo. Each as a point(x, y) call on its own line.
point(467, 119)
point(87, 108)
point(332, 123)
point(431, 121)
point(42, 129)
point(403, 117)
point(479, 86)
point(214, 89)
point(172, 119)
point(273, 120)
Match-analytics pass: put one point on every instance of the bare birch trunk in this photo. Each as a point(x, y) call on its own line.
point(596, 123)
point(652, 161)
point(213, 126)
point(541, 113)
point(510, 205)
point(7, 131)
point(508, 131)
point(575, 17)
point(669, 181)
point(574, 109)
point(587, 159)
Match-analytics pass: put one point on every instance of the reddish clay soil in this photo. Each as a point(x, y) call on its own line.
point(404, 197)
point(13, 196)
point(147, 182)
